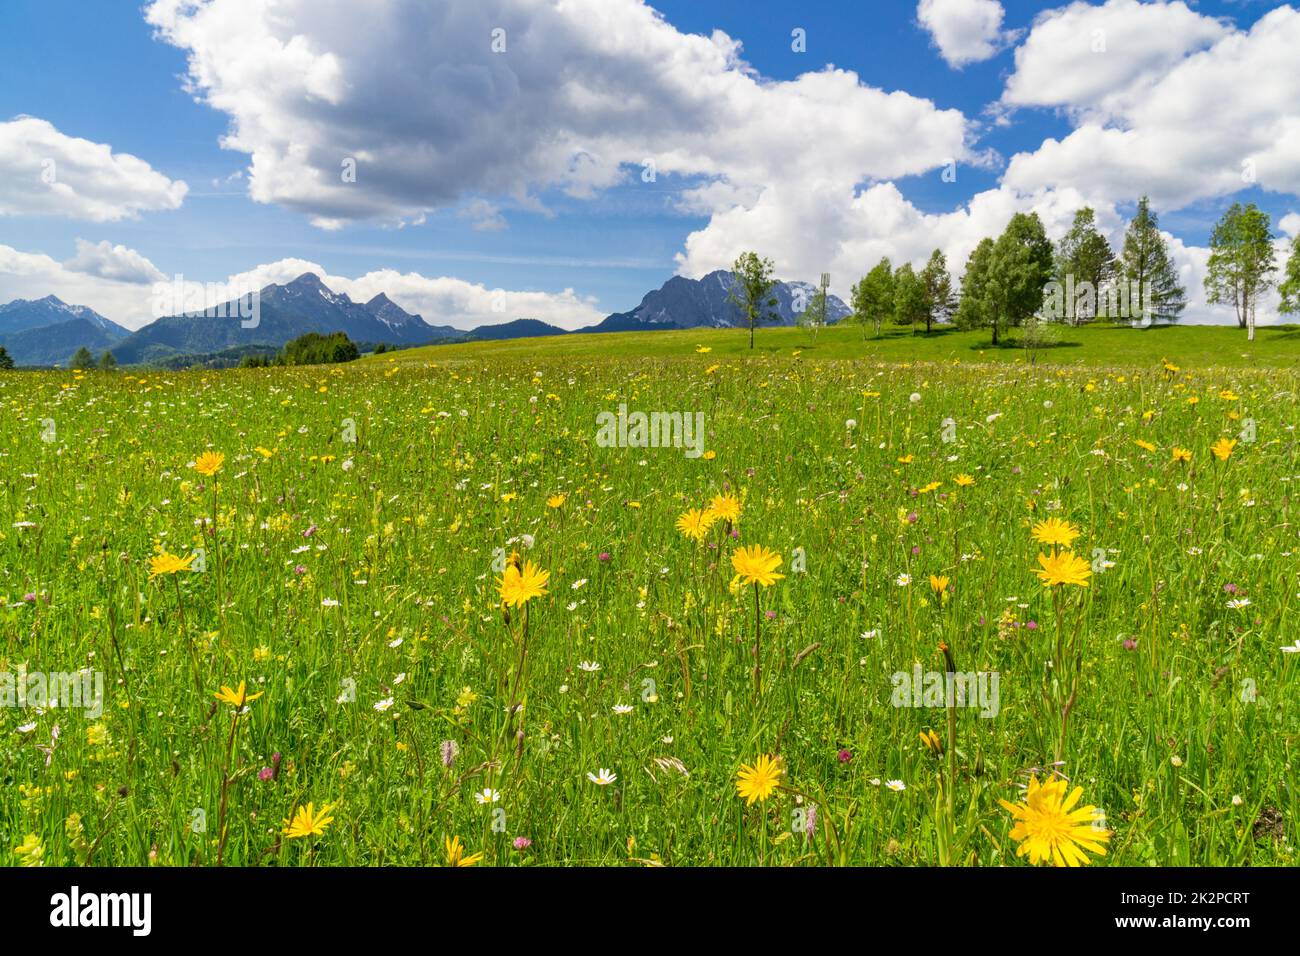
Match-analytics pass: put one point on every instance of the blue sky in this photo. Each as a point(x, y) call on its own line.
point(98, 73)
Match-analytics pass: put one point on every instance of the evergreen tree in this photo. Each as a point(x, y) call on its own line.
point(939, 299)
point(1084, 256)
point(107, 362)
point(82, 359)
point(1146, 266)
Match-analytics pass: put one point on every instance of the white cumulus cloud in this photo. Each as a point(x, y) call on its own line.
point(965, 31)
point(107, 261)
point(48, 173)
point(1182, 126)
point(433, 104)
point(118, 283)
point(1082, 56)
point(34, 275)
point(440, 300)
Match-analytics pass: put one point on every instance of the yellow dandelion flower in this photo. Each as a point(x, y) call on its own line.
point(695, 523)
point(1049, 829)
point(518, 587)
point(1054, 531)
point(1063, 567)
point(725, 508)
point(1223, 448)
point(209, 463)
point(756, 565)
point(456, 853)
point(760, 781)
point(237, 697)
point(308, 821)
point(167, 563)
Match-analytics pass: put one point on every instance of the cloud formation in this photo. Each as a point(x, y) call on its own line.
point(432, 104)
point(440, 300)
point(34, 275)
point(107, 261)
point(1178, 106)
point(485, 109)
point(48, 173)
point(964, 31)
point(118, 283)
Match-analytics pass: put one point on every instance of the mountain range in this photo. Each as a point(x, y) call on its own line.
point(682, 303)
point(284, 313)
point(48, 331)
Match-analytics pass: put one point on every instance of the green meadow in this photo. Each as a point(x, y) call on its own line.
point(1100, 344)
point(648, 700)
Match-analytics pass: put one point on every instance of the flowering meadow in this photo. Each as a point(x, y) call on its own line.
point(410, 612)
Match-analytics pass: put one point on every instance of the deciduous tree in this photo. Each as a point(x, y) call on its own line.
point(1241, 262)
point(751, 290)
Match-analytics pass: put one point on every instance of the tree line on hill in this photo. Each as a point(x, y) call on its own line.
point(1021, 280)
point(1018, 280)
point(310, 349)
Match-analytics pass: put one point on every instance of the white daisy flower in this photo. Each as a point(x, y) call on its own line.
point(487, 795)
point(603, 778)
